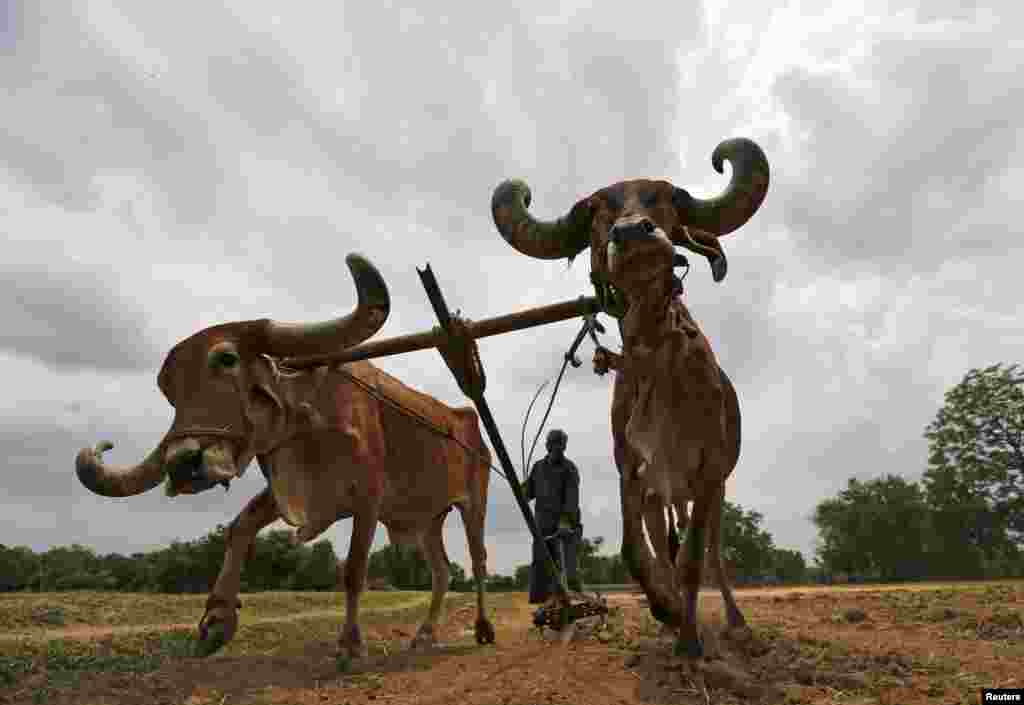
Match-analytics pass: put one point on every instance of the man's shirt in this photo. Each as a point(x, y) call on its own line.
point(556, 487)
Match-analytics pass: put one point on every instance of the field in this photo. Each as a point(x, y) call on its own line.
point(866, 644)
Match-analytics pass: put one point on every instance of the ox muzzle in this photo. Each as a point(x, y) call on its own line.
point(193, 468)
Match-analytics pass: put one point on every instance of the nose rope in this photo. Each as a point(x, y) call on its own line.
point(204, 432)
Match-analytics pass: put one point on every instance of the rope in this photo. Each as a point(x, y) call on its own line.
point(376, 394)
point(526, 419)
point(547, 412)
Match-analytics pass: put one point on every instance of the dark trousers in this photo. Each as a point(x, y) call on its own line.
point(542, 584)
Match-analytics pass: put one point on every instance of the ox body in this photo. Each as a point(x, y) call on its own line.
point(334, 442)
point(675, 417)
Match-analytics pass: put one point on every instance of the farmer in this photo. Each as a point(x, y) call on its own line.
point(554, 482)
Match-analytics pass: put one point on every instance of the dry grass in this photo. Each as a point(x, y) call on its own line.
point(864, 644)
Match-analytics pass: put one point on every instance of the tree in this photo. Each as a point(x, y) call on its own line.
point(789, 565)
point(458, 581)
point(522, 577)
point(316, 569)
point(874, 528)
point(19, 568)
point(975, 477)
point(402, 566)
point(746, 547)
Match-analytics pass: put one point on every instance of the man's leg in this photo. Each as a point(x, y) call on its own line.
point(542, 583)
point(571, 568)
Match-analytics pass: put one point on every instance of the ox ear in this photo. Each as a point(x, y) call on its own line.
point(704, 243)
point(264, 381)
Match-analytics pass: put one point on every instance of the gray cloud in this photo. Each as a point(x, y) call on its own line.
point(72, 320)
point(937, 114)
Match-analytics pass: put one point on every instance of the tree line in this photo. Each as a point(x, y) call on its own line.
point(963, 519)
point(276, 564)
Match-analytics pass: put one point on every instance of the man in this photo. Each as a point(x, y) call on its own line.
point(554, 482)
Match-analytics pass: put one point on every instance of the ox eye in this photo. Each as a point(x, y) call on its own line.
point(648, 227)
point(225, 358)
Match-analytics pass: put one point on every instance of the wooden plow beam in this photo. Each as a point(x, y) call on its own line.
point(530, 318)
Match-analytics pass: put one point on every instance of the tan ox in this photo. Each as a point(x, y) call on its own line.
point(675, 416)
point(348, 441)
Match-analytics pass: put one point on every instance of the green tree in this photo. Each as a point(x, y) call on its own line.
point(746, 547)
point(521, 577)
point(402, 566)
point(458, 581)
point(273, 561)
point(874, 528)
point(19, 568)
point(789, 566)
point(316, 569)
point(975, 478)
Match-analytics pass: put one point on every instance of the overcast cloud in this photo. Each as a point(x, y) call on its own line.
point(162, 170)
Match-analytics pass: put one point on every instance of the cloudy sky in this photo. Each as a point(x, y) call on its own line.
point(165, 167)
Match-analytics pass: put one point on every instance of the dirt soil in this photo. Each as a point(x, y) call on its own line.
point(906, 645)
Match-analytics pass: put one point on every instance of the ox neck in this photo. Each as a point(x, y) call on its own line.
point(654, 302)
point(647, 315)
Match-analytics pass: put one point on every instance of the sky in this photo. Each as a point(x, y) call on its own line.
point(164, 168)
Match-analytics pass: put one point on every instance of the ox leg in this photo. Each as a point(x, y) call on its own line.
point(733, 615)
point(473, 520)
point(657, 527)
point(690, 643)
point(218, 625)
point(364, 524)
point(432, 545)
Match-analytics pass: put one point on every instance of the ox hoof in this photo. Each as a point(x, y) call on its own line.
point(689, 648)
point(214, 632)
point(484, 631)
point(424, 639)
point(351, 646)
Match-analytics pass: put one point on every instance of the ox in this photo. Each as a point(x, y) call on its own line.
point(675, 415)
point(332, 442)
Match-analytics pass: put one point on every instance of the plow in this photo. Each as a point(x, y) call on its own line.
point(455, 339)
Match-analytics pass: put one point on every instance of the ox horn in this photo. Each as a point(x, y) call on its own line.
point(565, 237)
point(740, 200)
point(297, 339)
point(111, 481)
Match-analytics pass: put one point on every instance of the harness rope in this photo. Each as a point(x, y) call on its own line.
point(406, 411)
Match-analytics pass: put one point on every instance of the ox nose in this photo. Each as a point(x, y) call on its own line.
point(636, 230)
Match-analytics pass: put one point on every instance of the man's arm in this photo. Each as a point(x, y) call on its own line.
point(571, 504)
point(528, 486)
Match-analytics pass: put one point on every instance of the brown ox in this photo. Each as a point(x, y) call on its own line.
point(332, 442)
point(675, 415)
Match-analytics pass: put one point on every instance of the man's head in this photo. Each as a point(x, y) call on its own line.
point(556, 443)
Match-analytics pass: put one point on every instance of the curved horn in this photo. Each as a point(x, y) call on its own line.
point(111, 481)
point(566, 237)
point(741, 199)
point(295, 339)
